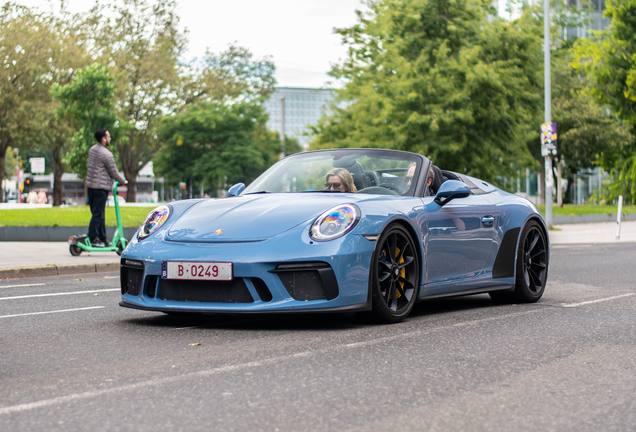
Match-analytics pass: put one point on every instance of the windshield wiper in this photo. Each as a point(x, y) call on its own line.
point(257, 192)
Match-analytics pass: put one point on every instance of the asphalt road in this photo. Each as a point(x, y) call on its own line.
point(72, 359)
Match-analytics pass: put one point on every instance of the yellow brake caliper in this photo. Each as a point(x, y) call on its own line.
point(402, 273)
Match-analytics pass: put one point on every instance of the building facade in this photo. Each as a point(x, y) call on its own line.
point(292, 110)
point(73, 190)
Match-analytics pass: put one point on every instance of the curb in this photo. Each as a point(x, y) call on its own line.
point(57, 270)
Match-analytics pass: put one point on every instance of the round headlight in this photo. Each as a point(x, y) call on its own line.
point(335, 222)
point(154, 221)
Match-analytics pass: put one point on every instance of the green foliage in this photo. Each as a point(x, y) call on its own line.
point(88, 102)
point(445, 79)
point(609, 60)
point(588, 134)
point(234, 74)
point(9, 164)
point(140, 42)
point(214, 143)
point(27, 47)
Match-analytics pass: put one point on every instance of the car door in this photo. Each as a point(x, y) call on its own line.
point(459, 237)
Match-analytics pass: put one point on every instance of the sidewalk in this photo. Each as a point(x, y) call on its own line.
point(34, 259)
point(593, 233)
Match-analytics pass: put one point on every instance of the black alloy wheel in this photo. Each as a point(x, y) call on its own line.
point(395, 274)
point(531, 267)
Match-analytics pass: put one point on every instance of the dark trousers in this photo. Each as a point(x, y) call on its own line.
point(97, 200)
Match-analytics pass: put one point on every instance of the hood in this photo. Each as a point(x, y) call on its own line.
point(251, 217)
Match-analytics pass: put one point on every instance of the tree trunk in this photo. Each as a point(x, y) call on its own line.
point(131, 195)
point(58, 170)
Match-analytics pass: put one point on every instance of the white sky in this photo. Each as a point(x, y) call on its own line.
point(297, 34)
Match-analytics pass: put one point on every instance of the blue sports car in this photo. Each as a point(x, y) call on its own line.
point(338, 230)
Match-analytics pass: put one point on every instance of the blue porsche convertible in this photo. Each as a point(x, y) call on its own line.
point(338, 230)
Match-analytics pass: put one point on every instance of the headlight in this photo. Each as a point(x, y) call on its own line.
point(154, 221)
point(335, 222)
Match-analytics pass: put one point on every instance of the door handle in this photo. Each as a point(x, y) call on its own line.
point(488, 221)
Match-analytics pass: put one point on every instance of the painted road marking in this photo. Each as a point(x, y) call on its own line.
point(58, 294)
point(597, 301)
point(23, 285)
point(50, 312)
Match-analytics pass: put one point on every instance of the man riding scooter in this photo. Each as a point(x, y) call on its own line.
point(101, 168)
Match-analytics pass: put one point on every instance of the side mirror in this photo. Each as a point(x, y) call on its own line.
point(236, 189)
point(450, 190)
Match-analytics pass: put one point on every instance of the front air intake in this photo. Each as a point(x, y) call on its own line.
point(308, 281)
point(234, 291)
point(131, 276)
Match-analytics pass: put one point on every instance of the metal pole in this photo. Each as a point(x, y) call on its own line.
point(548, 110)
point(17, 173)
point(559, 188)
point(618, 217)
point(282, 127)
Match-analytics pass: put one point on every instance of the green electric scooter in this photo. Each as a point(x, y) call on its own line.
point(80, 243)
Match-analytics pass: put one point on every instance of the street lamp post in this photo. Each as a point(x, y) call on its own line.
point(282, 127)
point(548, 109)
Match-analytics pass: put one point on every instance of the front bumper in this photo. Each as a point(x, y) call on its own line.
point(287, 273)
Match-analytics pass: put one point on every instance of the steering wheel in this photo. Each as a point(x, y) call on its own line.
point(392, 187)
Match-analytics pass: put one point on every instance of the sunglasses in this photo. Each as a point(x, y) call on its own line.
point(333, 185)
point(408, 178)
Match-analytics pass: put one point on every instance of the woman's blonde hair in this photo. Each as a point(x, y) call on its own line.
point(345, 176)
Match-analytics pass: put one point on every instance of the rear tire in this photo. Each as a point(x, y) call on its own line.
point(531, 267)
point(75, 250)
point(394, 275)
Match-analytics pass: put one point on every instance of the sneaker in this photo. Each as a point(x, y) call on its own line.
point(106, 243)
point(97, 243)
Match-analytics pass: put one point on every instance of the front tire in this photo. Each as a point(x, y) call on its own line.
point(531, 267)
point(395, 275)
point(120, 247)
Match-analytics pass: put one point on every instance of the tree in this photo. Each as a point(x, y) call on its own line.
point(232, 75)
point(140, 43)
point(52, 131)
point(586, 131)
point(88, 102)
point(609, 60)
point(26, 50)
point(212, 143)
point(445, 79)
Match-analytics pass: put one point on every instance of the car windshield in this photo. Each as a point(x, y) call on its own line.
point(372, 171)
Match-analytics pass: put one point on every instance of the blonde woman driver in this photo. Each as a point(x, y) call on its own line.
point(339, 179)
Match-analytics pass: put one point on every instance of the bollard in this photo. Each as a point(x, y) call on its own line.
point(618, 217)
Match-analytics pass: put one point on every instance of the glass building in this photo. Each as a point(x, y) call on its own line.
point(597, 22)
point(294, 109)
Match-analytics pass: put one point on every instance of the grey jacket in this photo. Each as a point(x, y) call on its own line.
point(101, 169)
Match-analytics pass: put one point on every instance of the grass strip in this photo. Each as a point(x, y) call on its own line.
point(71, 216)
point(586, 209)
